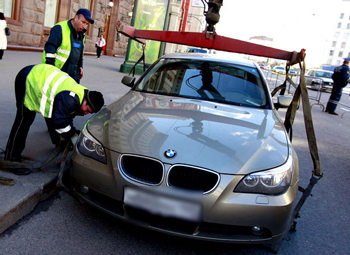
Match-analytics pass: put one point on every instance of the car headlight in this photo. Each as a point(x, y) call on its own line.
point(90, 147)
point(270, 182)
point(318, 81)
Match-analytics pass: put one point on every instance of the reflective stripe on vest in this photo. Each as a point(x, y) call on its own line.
point(44, 98)
point(62, 52)
point(64, 130)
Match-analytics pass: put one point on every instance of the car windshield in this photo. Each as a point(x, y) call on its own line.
point(323, 74)
point(206, 80)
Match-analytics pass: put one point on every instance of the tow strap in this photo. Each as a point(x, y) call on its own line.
point(301, 93)
point(63, 148)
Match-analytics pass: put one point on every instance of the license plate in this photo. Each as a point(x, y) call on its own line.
point(164, 204)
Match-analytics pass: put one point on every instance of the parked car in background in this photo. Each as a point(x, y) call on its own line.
point(264, 67)
point(196, 149)
point(293, 71)
point(279, 69)
point(319, 79)
point(197, 50)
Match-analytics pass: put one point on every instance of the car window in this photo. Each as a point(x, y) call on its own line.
point(207, 80)
point(328, 75)
point(323, 74)
point(319, 74)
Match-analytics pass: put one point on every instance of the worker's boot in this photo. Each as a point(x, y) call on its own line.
point(20, 171)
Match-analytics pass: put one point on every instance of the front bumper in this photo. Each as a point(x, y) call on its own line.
point(227, 216)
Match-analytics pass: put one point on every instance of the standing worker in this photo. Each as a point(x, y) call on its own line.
point(3, 36)
point(99, 45)
point(65, 45)
point(340, 80)
point(47, 90)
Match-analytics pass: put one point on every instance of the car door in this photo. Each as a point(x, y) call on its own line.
point(309, 77)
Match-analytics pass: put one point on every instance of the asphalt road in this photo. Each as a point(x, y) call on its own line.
point(61, 225)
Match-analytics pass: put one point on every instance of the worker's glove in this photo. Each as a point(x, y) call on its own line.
point(74, 139)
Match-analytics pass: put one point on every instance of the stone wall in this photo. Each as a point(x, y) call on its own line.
point(28, 30)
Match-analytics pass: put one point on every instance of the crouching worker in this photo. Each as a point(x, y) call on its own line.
point(47, 90)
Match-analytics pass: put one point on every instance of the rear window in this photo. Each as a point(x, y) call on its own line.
point(206, 80)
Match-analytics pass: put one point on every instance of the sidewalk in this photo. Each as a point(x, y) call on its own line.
point(21, 198)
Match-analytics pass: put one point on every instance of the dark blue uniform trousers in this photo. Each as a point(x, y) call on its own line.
point(334, 98)
point(24, 119)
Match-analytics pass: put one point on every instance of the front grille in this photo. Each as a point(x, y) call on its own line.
point(142, 169)
point(150, 171)
point(192, 178)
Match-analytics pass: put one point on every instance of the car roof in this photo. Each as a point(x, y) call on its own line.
point(211, 57)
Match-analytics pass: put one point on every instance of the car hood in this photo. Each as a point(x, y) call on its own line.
point(329, 80)
point(224, 138)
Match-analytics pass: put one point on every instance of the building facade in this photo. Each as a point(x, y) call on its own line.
point(186, 16)
point(30, 22)
point(338, 44)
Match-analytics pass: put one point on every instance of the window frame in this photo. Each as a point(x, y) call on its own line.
point(15, 19)
point(57, 11)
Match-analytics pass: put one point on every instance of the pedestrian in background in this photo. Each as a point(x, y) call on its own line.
point(100, 43)
point(65, 45)
point(340, 80)
point(3, 36)
point(47, 90)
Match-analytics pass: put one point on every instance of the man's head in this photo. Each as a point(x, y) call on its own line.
point(346, 62)
point(82, 19)
point(93, 102)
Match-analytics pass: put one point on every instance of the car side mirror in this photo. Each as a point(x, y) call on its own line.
point(128, 80)
point(283, 101)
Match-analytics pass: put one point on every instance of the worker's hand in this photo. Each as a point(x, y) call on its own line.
point(81, 73)
point(74, 139)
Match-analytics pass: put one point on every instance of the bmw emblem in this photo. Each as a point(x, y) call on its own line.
point(170, 153)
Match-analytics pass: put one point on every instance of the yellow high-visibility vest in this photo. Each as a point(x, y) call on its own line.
point(43, 83)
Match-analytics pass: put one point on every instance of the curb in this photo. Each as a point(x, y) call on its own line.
point(27, 203)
